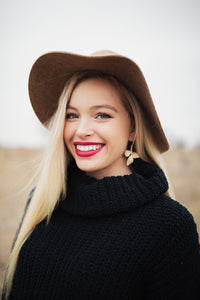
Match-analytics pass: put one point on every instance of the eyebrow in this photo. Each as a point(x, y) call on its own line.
point(96, 107)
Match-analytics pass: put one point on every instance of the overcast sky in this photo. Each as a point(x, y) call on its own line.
point(162, 37)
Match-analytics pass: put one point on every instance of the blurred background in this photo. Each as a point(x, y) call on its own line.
point(162, 37)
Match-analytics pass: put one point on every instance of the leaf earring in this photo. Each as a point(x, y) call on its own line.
point(131, 155)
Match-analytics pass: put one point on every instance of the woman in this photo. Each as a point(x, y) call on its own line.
point(100, 223)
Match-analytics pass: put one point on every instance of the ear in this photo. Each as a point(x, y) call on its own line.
point(132, 136)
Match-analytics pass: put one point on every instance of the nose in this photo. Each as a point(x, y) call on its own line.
point(84, 129)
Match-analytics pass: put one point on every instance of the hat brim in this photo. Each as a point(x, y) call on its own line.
point(51, 71)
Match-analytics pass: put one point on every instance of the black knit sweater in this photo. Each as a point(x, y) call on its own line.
point(114, 238)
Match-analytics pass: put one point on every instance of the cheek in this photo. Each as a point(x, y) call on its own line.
point(117, 139)
point(121, 130)
point(67, 134)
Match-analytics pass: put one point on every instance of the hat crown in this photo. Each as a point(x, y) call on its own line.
point(103, 53)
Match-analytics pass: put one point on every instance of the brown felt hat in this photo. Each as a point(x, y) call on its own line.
point(51, 71)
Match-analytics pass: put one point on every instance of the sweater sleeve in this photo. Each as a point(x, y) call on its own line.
point(174, 271)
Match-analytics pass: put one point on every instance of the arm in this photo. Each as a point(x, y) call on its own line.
point(175, 267)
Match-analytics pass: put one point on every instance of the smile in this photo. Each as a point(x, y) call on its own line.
point(88, 149)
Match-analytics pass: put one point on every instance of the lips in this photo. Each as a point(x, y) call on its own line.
point(85, 149)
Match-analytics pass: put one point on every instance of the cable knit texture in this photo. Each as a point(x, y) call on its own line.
point(114, 238)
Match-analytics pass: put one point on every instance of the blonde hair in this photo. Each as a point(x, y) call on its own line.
point(51, 186)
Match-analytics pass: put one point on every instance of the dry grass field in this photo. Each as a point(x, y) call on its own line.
point(16, 168)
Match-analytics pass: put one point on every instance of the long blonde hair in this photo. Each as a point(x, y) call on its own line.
point(51, 185)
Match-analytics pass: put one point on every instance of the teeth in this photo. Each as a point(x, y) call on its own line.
point(89, 147)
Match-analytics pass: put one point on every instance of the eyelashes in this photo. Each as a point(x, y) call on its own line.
point(103, 116)
point(71, 116)
point(99, 116)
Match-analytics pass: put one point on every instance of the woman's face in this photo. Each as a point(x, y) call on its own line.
point(97, 129)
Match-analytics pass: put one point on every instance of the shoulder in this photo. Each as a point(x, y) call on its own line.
point(172, 210)
point(22, 219)
point(173, 220)
point(30, 197)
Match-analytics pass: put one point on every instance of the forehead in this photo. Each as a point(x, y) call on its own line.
point(96, 91)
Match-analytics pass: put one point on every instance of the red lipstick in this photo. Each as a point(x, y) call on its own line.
point(87, 143)
point(88, 152)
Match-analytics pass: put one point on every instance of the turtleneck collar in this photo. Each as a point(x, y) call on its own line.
point(88, 196)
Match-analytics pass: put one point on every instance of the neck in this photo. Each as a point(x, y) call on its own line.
point(119, 168)
point(112, 172)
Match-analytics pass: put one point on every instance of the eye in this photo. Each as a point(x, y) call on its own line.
point(103, 116)
point(71, 116)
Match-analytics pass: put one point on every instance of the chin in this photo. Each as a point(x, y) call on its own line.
point(86, 166)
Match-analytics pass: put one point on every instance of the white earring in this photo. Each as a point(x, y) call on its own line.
point(131, 155)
